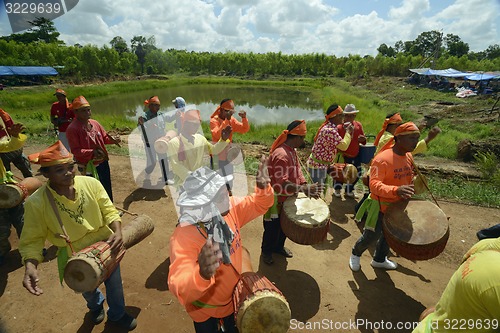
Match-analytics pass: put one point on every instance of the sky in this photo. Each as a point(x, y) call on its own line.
point(333, 27)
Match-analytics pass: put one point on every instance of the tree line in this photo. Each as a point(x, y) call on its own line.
point(40, 46)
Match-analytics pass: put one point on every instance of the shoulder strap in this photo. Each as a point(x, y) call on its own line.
point(64, 235)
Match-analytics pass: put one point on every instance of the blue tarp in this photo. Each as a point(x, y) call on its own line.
point(450, 72)
point(27, 70)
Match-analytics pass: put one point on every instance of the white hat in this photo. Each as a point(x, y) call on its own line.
point(350, 109)
point(179, 102)
point(201, 187)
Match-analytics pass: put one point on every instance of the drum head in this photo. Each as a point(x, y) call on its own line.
point(81, 274)
point(306, 212)
point(10, 196)
point(416, 222)
point(266, 311)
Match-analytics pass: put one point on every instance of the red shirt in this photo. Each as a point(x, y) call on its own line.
point(82, 141)
point(284, 166)
point(63, 113)
point(353, 149)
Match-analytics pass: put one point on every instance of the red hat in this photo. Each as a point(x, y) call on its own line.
point(54, 155)
point(60, 92)
point(79, 102)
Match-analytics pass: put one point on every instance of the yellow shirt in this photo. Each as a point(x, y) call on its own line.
point(92, 212)
point(195, 153)
point(9, 145)
point(471, 300)
point(419, 149)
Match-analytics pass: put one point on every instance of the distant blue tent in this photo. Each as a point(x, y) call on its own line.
point(27, 70)
point(450, 72)
point(482, 76)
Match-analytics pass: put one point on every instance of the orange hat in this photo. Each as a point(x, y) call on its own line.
point(79, 102)
point(330, 113)
point(54, 155)
point(152, 100)
point(60, 92)
point(300, 129)
point(394, 119)
point(406, 129)
point(227, 105)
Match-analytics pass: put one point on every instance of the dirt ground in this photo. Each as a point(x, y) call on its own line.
point(323, 293)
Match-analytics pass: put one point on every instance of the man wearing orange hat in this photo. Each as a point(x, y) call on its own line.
point(287, 180)
point(12, 216)
point(16, 156)
point(152, 124)
point(220, 119)
point(384, 139)
point(391, 180)
point(327, 141)
point(87, 140)
point(187, 151)
point(61, 115)
point(72, 212)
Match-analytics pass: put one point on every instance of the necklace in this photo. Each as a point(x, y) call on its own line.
point(78, 215)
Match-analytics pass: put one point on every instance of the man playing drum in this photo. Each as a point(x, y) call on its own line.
point(72, 212)
point(187, 151)
point(10, 216)
point(206, 247)
point(220, 119)
point(391, 180)
point(287, 179)
point(326, 143)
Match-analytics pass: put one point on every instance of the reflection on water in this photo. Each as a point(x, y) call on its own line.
point(263, 105)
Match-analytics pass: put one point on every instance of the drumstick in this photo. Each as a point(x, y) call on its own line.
point(126, 211)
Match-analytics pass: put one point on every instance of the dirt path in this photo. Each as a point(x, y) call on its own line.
point(320, 287)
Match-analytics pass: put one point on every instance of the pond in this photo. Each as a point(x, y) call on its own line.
point(264, 105)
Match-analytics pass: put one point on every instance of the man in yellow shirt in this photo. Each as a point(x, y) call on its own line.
point(471, 300)
point(10, 216)
point(72, 212)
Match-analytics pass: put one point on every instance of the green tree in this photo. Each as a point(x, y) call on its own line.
point(119, 44)
point(455, 46)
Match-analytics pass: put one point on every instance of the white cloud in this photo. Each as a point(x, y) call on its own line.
point(298, 26)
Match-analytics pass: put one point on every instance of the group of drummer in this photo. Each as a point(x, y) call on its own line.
point(207, 254)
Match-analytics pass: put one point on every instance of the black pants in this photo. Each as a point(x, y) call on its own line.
point(369, 237)
point(273, 239)
point(491, 232)
point(212, 325)
point(104, 173)
point(20, 160)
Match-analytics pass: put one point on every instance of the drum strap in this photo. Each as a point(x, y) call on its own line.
point(62, 254)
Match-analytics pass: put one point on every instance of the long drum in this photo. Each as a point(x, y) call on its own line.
point(161, 144)
point(343, 173)
point(305, 220)
point(13, 194)
point(91, 266)
point(260, 307)
point(416, 229)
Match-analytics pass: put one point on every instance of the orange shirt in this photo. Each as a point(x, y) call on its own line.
point(184, 279)
point(388, 171)
point(217, 125)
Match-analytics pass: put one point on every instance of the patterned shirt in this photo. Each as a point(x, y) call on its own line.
point(324, 149)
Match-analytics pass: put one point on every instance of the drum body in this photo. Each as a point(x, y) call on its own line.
point(343, 173)
point(12, 195)
point(416, 229)
point(88, 268)
point(259, 306)
point(161, 144)
point(139, 228)
point(305, 220)
point(366, 152)
point(235, 155)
